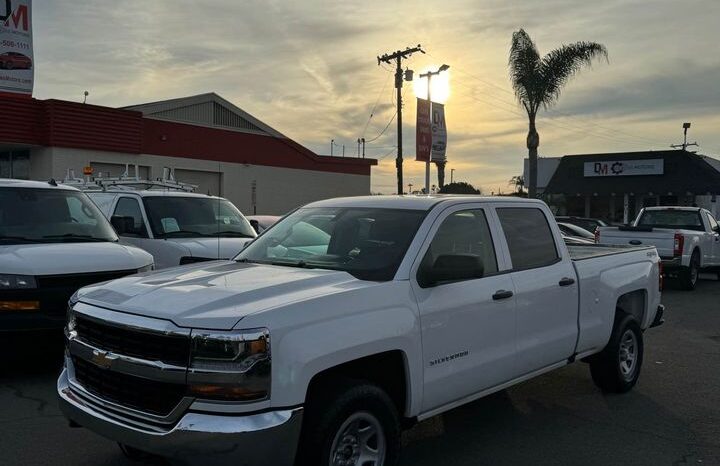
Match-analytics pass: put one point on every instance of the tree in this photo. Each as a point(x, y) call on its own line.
point(519, 182)
point(459, 187)
point(538, 82)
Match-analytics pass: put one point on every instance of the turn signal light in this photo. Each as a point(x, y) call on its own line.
point(19, 305)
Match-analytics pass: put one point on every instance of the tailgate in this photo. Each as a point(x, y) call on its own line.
point(661, 238)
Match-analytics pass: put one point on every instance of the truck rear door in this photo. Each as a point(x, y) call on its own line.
point(545, 287)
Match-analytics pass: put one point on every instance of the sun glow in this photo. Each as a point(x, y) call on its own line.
point(440, 88)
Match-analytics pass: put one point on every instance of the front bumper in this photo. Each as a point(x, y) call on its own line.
point(241, 440)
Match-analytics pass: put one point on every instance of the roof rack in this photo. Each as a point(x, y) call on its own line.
point(125, 181)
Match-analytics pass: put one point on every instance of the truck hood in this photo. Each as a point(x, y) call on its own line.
point(210, 247)
point(215, 295)
point(68, 258)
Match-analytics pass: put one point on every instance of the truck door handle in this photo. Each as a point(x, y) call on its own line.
point(635, 242)
point(502, 294)
point(566, 281)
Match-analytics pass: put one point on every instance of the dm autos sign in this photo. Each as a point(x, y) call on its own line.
point(624, 167)
point(16, 48)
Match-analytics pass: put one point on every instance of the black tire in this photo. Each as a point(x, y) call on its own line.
point(689, 275)
point(610, 369)
point(327, 413)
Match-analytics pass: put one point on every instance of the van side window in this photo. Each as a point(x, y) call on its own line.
point(528, 236)
point(128, 207)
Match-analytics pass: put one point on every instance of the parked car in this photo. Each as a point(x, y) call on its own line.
point(400, 309)
point(176, 227)
point(53, 241)
point(589, 224)
point(687, 238)
point(15, 61)
point(261, 223)
point(573, 230)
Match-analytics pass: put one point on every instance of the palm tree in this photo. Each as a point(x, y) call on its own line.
point(538, 81)
point(519, 182)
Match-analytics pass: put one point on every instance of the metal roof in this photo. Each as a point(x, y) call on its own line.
point(205, 110)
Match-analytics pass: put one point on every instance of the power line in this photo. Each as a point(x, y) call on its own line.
point(383, 131)
point(372, 112)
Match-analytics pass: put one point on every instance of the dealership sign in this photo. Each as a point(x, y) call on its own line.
point(624, 167)
point(16, 48)
point(423, 131)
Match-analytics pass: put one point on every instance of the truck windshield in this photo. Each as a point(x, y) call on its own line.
point(368, 243)
point(36, 215)
point(193, 217)
point(671, 218)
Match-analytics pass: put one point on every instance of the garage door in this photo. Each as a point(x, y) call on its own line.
point(110, 170)
point(207, 182)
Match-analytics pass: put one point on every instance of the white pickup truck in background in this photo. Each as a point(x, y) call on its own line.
point(347, 321)
point(687, 239)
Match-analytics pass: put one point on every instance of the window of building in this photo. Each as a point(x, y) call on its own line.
point(528, 236)
point(15, 164)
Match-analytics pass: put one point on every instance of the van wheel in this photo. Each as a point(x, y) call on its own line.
point(689, 275)
point(355, 424)
point(616, 368)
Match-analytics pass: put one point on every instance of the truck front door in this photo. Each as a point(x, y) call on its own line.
point(545, 288)
point(468, 325)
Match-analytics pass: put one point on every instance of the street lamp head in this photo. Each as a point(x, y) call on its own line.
point(444, 67)
point(686, 125)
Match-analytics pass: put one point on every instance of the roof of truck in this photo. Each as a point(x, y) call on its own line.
point(151, 193)
point(414, 202)
point(13, 183)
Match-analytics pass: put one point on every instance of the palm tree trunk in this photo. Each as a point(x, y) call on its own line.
point(533, 141)
point(441, 173)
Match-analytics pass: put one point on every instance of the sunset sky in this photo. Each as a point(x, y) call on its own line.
point(309, 69)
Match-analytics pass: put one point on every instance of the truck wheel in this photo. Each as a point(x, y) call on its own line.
point(616, 368)
point(356, 424)
point(689, 275)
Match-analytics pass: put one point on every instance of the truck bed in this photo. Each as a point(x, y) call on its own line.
point(578, 253)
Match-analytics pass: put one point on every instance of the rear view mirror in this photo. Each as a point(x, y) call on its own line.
point(122, 225)
point(451, 268)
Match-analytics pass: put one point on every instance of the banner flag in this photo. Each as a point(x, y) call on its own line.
point(423, 132)
point(439, 133)
point(16, 47)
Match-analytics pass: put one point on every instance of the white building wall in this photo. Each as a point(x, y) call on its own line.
point(279, 190)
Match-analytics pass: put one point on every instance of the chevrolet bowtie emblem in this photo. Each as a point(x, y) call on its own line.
point(103, 359)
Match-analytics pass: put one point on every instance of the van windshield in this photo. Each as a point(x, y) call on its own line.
point(368, 243)
point(36, 215)
point(193, 217)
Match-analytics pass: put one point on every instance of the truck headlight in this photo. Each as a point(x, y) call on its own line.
point(230, 366)
point(17, 282)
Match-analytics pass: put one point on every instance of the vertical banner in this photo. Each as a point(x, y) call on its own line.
point(16, 47)
point(439, 133)
point(423, 131)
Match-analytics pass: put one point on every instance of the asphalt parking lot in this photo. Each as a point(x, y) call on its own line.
point(671, 418)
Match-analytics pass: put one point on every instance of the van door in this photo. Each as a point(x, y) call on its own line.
point(468, 325)
point(545, 288)
point(137, 232)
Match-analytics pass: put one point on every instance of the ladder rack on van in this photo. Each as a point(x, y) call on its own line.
point(125, 181)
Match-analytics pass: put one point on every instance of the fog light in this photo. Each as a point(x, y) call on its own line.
point(19, 305)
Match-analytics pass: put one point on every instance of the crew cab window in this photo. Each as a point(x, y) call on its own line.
point(128, 207)
point(528, 236)
point(464, 233)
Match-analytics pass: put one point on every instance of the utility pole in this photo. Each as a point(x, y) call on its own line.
point(332, 146)
point(684, 145)
point(429, 76)
point(363, 147)
point(398, 56)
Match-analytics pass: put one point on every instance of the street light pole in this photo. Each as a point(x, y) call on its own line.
point(452, 172)
point(429, 76)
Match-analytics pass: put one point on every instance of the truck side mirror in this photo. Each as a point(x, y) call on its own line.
point(122, 225)
point(451, 268)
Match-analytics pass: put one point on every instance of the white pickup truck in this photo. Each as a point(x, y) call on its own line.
point(347, 321)
point(687, 239)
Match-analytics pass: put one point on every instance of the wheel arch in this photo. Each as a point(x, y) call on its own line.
point(633, 303)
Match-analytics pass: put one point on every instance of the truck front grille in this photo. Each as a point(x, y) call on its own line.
point(150, 346)
point(145, 395)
